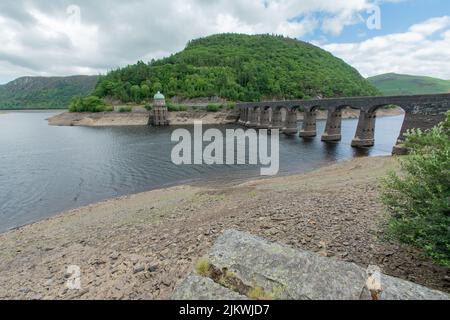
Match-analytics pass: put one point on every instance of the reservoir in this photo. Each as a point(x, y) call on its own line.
point(45, 170)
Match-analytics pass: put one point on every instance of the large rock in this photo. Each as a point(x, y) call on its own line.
point(398, 289)
point(289, 273)
point(198, 288)
point(286, 273)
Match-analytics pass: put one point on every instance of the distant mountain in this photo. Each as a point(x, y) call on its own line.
point(239, 67)
point(403, 84)
point(44, 92)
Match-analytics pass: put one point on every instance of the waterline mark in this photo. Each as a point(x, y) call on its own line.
point(230, 150)
point(373, 20)
point(73, 15)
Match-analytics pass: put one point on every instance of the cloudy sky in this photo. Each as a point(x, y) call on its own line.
point(41, 37)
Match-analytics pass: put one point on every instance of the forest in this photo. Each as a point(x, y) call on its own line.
point(238, 67)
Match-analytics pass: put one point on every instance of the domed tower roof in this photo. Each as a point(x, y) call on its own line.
point(159, 96)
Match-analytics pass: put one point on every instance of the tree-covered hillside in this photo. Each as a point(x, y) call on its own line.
point(44, 92)
point(403, 84)
point(238, 67)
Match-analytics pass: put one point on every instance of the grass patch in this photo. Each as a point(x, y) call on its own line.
point(232, 282)
point(231, 105)
point(125, 109)
point(203, 267)
point(259, 293)
point(176, 107)
point(213, 108)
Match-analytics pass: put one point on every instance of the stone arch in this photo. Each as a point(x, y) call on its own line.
point(312, 108)
point(377, 107)
point(345, 106)
point(410, 121)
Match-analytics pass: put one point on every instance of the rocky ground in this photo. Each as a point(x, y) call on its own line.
point(142, 246)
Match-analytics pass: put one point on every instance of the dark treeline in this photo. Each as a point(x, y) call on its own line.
point(44, 92)
point(239, 68)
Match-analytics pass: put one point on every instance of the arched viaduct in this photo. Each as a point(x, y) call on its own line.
point(422, 111)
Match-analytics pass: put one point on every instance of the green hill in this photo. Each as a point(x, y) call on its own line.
point(238, 67)
point(402, 84)
point(44, 92)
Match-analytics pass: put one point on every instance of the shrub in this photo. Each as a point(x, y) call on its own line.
point(212, 108)
point(419, 198)
point(148, 107)
point(172, 107)
point(176, 108)
point(231, 105)
point(125, 109)
point(88, 104)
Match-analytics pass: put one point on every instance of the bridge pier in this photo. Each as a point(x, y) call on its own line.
point(277, 119)
point(265, 119)
point(309, 129)
point(249, 117)
point(243, 116)
point(365, 133)
point(291, 122)
point(253, 118)
point(333, 127)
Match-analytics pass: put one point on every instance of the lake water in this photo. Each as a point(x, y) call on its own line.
point(45, 170)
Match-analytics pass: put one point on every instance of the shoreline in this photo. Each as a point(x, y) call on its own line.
point(4, 111)
point(179, 118)
point(141, 246)
point(194, 183)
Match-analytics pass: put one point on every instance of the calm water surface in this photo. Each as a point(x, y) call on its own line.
point(45, 170)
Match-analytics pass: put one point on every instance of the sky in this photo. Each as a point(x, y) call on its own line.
point(67, 37)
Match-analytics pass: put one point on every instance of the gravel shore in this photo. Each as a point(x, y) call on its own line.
point(142, 246)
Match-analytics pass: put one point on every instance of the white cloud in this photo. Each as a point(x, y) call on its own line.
point(39, 37)
point(423, 50)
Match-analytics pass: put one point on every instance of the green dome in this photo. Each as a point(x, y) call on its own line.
point(159, 96)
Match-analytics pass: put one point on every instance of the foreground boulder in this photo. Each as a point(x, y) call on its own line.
point(241, 265)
